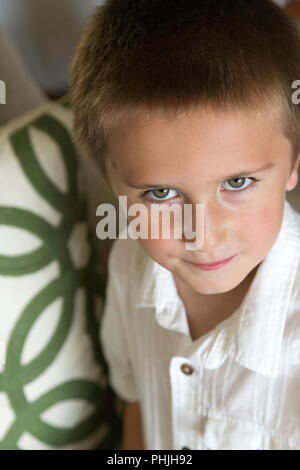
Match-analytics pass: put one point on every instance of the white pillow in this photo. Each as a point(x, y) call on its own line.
point(53, 379)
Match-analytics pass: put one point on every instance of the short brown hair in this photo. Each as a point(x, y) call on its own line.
point(174, 55)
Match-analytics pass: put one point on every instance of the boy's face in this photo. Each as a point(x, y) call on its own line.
point(194, 157)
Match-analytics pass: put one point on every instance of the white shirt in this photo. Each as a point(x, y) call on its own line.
point(244, 389)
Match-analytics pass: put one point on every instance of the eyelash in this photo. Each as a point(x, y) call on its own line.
point(159, 201)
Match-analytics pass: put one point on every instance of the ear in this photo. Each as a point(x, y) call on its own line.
point(293, 178)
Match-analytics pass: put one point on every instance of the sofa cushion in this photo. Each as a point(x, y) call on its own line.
point(54, 391)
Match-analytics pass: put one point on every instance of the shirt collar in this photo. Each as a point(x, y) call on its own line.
point(253, 334)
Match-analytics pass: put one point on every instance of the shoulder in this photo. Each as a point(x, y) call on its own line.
point(294, 226)
point(126, 263)
point(295, 234)
point(293, 216)
point(126, 254)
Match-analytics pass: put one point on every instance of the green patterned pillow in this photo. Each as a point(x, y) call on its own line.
point(53, 378)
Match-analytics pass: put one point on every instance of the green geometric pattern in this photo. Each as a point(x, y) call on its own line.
point(59, 397)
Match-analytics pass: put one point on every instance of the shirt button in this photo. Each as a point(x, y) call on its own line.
point(187, 369)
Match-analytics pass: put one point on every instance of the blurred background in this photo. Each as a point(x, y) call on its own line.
point(45, 33)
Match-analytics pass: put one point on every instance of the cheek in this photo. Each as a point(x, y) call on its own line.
point(261, 226)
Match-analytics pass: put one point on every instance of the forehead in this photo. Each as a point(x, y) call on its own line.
point(201, 139)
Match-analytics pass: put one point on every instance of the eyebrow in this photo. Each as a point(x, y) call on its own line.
point(241, 174)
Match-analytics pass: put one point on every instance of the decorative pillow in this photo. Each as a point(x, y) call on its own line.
point(53, 379)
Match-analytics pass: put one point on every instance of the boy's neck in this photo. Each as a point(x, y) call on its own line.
point(204, 312)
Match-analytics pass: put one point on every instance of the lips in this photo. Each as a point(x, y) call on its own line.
point(212, 263)
point(215, 265)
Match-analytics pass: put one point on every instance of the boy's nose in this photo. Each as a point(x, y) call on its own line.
point(214, 229)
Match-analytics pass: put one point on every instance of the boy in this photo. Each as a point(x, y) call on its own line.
point(188, 102)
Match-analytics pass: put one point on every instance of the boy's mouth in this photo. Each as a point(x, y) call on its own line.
point(212, 266)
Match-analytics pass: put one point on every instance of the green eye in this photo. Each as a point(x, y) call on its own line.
point(160, 193)
point(237, 182)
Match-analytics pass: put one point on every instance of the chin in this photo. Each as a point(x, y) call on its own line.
point(210, 287)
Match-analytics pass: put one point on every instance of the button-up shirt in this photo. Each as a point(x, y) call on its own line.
point(235, 387)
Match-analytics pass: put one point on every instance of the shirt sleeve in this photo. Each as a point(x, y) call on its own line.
point(112, 334)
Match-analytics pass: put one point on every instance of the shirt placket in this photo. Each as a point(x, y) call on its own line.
point(185, 390)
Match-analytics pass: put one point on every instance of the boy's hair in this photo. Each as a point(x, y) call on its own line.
point(175, 55)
